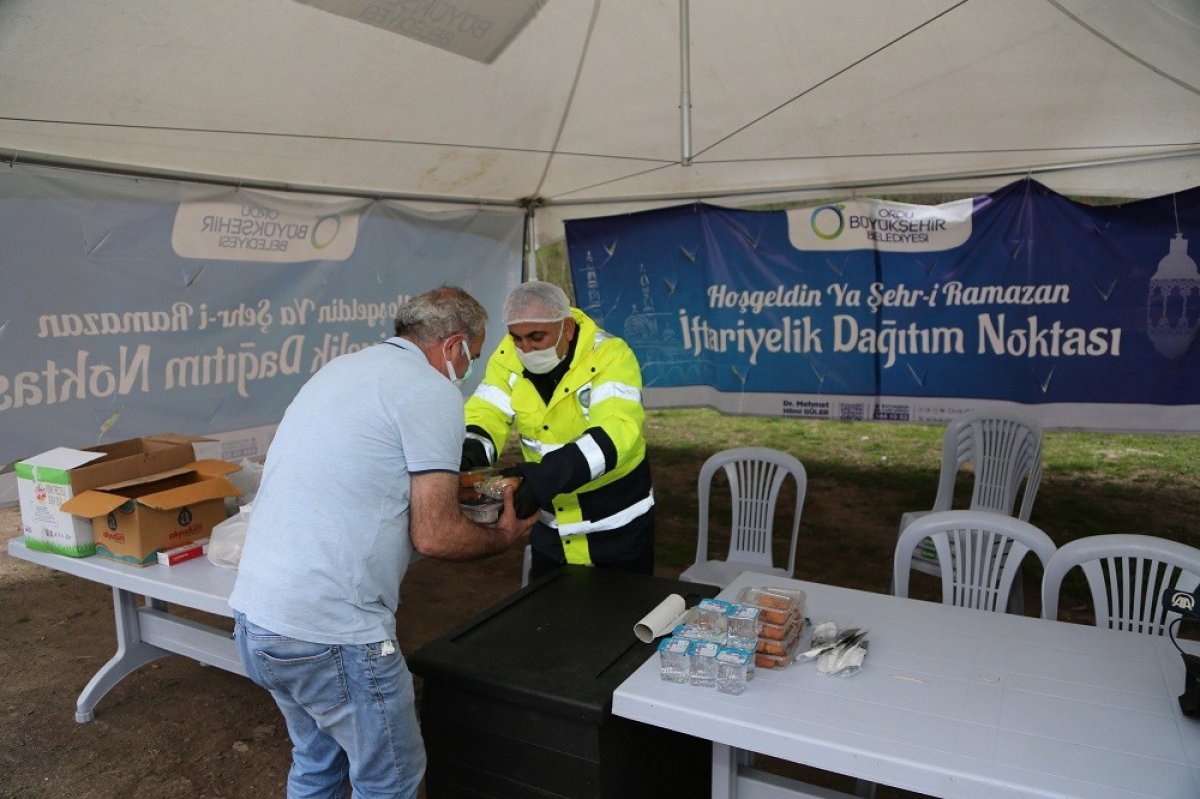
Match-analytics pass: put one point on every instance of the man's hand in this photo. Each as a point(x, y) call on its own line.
point(439, 529)
point(511, 524)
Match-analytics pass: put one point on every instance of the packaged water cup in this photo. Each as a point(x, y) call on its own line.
point(735, 668)
point(743, 626)
point(690, 631)
point(702, 657)
point(673, 659)
point(711, 617)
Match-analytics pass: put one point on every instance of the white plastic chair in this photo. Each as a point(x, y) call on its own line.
point(755, 476)
point(979, 555)
point(1127, 575)
point(1004, 449)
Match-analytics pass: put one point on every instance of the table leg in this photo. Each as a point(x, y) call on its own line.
point(724, 771)
point(132, 654)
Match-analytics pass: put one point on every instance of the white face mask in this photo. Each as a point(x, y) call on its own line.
point(542, 361)
point(453, 375)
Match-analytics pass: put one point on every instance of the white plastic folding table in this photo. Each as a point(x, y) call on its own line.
point(951, 702)
point(149, 631)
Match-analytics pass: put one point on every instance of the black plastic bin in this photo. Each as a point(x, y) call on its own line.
point(517, 702)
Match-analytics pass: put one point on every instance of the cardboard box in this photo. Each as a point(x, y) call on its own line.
point(46, 481)
point(132, 520)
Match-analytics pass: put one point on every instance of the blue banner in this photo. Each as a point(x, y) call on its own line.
point(133, 307)
point(869, 309)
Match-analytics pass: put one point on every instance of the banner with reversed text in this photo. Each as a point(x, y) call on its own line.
point(868, 309)
point(132, 307)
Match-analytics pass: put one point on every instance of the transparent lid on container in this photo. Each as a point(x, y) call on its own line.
point(776, 603)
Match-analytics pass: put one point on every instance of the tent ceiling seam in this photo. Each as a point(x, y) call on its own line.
point(13, 156)
point(1128, 54)
point(990, 151)
point(833, 76)
point(908, 180)
point(319, 137)
point(1192, 149)
point(25, 157)
point(562, 121)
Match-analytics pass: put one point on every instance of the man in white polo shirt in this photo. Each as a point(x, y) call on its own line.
point(362, 471)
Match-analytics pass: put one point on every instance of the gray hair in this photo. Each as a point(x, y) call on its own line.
point(439, 314)
point(536, 301)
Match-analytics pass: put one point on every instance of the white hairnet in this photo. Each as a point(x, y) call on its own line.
point(536, 301)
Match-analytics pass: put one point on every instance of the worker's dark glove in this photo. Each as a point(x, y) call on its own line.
point(474, 455)
point(526, 500)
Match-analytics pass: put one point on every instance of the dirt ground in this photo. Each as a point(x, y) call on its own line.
point(174, 729)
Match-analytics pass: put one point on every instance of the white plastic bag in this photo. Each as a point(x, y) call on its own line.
point(246, 480)
point(227, 539)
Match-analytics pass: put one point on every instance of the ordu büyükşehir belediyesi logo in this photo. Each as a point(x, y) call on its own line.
point(258, 230)
point(880, 225)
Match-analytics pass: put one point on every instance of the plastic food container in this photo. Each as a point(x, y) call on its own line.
point(768, 660)
point(778, 632)
point(468, 484)
point(493, 486)
point(485, 511)
point(778, 605)
point(779, 646)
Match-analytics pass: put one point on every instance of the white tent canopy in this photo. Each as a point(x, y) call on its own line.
point(580, 115)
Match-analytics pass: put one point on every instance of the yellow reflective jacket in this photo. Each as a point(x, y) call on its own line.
point(589, 435)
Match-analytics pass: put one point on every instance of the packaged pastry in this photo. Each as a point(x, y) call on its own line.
point(468, 484)
point(472, 477)
point(778, 605)
point(782, 654)
point(779, 646)
point(778, 632)
point(493, 486)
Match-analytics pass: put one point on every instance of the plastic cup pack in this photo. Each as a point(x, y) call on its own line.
point(735, 668)
point(674, 663)
point(711, 616)
point(702, 657)
point(743, 626)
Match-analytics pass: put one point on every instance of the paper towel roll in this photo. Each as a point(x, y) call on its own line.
point(661, 620)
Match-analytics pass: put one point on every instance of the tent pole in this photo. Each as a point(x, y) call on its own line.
point(531, 270)
point(685, 84)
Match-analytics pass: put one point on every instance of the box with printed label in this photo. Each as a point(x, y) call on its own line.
point(132, 520)
point(46, 481)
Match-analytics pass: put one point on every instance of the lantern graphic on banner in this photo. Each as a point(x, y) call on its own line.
point(1173, 301)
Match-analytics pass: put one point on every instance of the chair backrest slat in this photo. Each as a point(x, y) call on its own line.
point(979, 553)
point(1126, 576)
point(756, 476)
point(1003, 448)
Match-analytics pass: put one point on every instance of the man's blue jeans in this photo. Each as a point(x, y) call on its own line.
point(350, 712)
